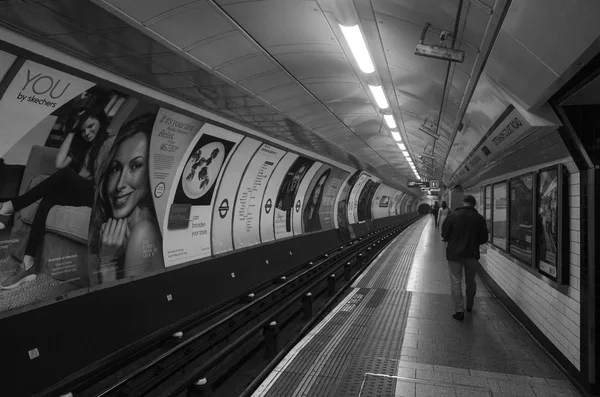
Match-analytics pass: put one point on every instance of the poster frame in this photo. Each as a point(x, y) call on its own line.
point(506, 210)
point(562, 263)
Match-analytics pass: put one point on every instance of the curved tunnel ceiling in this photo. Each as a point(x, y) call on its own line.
point(283, 67)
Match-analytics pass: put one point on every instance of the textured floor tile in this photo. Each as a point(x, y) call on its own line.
point(434, 391)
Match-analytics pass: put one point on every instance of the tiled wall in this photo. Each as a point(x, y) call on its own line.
point(555, 313)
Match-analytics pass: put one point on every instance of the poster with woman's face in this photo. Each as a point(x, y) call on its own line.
point(125, 237)
point(54, 136)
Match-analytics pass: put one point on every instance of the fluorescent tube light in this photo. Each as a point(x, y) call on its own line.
point(357, 44)
point(396, 136)
point(389, 119)
point(379, 95)
point(405, 153)
point(402, 146)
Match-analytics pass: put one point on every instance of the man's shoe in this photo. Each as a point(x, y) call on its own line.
point(23, 276)
point(459, 316)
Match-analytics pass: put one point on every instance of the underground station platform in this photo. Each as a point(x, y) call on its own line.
point(393, 335)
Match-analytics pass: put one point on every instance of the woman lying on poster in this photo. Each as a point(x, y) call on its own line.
point(77, 160)
point(126, 238)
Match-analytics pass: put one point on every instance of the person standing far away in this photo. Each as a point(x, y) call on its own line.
point(434, 211)
point(464, 231)
point(443, 213)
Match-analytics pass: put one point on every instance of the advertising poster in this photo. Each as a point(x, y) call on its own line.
point(6, 61)
point(393, 207)
point(300, 196)
point(382, 202)
point(284, 205)
point(54, 140)
point(246, 216)
point(499, 215)
point(343, 200)
point(33, 94)
point(354, 196)
point(342, 195)
point(188, 222)
point(269, 202)
point(222, 219)
point(125, 239)
point(317, 213)
point(332, 183)
point(365, 199)
point(548, 221)
point(171, 136)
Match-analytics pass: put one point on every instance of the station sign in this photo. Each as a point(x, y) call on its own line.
point(418, 184)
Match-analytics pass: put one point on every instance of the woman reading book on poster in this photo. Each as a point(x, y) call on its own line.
point(126, 238)
point(72, 185)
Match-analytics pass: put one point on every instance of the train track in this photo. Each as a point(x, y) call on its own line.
point(208, 349)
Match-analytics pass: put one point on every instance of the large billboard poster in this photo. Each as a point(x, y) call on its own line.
point(188, 221)
point(339, 207)
point(284, 205)
point(300, 196)
point(354, 196)
point(33, 94)
point(269, 202)
point(171, 136)
point(365, 198)
point(318, 211)
point(56, 134)
point(547, 204)
point(125, 239)
point(393, 207)
point(222, 224)
point(246, 216)
point(382, 202)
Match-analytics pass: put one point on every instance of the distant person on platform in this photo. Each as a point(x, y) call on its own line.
point(443, 213)
point(464, 230)
point(434, 211)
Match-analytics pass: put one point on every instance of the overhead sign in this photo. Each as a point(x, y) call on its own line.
point(509, 127)
point(418, 184)
point(434, 184)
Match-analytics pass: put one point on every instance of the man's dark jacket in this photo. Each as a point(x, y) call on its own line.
point(464, 230)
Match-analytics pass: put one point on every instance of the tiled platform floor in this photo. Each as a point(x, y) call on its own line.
point(393, 335)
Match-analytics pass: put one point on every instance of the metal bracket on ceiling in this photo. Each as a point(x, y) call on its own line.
point(429, 127)
point(438, 51)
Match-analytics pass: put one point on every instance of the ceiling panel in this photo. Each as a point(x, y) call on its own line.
point(245, 68)
point(204, 19)
point(569, 27)
point(224, 48)
point(291, 21)
point(267, 81)
point(518, 70)
point(143, 10)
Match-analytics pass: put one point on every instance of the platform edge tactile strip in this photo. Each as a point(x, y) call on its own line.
point(364, 331)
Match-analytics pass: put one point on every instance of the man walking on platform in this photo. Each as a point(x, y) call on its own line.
point(434, 211)
point(464, 231)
